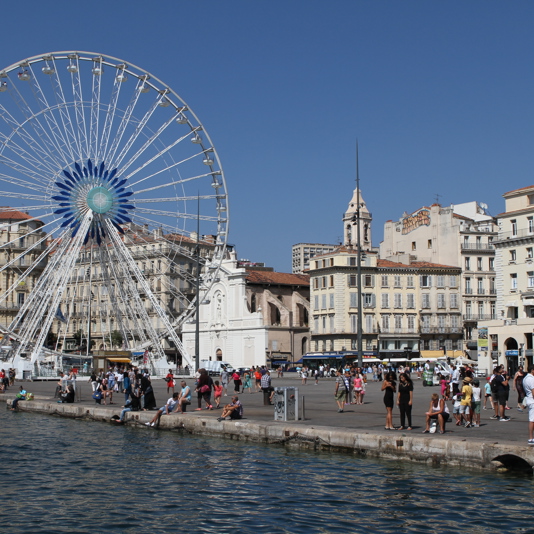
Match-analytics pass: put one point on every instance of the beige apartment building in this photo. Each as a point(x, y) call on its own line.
point(510, 331)
point(460, 235)
point(303, 253)
point(410, 308)
point(23, 241)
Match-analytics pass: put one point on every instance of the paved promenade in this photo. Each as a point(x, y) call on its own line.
point(321, 410)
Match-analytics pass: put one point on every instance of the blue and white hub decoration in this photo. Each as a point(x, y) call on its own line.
point(93, 187)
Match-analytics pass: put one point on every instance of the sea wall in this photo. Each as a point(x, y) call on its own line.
point(433, 449)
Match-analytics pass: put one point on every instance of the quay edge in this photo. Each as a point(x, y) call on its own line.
point(429, 449)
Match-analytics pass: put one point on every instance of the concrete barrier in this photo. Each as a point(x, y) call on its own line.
point(430, 449)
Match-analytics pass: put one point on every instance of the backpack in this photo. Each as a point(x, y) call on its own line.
point(495, 383)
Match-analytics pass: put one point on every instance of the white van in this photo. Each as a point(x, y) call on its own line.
point(215, 367)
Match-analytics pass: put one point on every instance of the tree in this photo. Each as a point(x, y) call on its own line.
point(116, 338)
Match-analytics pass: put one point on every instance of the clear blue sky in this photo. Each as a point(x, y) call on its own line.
point(439, 94)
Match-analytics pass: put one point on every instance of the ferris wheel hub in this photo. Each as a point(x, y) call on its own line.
point(100, 200)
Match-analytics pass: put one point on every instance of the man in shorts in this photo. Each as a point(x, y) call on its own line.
point(500, 388)
point(234, 410)
point(528, 386)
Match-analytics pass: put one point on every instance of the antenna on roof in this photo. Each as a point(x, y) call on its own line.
point(438, 196)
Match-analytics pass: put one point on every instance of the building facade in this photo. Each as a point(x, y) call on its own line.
point(460, 235)
point(252, 317)
point(509, 339)
point(23, 241)
point(302, 253)
point(411, 308)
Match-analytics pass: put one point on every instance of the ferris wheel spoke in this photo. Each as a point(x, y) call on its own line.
point(125, 121)
point(149, 142)
point(79, 111)
point(110, 116)
point(36, 160)
point(120, 246)
point(178, 215)
point(21, 183)
point(57, 136)
point(95, 109)
point(174, 199)
point(64, 113)
point(138, 129)
point(46, 146)
point(24, 196)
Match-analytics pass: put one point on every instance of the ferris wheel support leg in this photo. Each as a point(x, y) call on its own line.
point(117, 241)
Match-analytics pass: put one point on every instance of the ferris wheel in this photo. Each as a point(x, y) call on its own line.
point(113, 207)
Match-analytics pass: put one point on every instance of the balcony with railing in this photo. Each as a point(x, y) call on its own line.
point(441, 330)
point(520, 233)
point(481, 247)
point(474, 317)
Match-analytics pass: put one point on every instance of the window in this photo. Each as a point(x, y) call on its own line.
point(441, 300)
point(441, 322)
point(513, 256)
point(369, 300)
point(385, 323)
point(398, 280)
point(385, 300)
point(331, 281)
point(20, 299)
point(414, 246)
point(353, 323)
point(409, 281)
point(316, 324)
point(453, 281)
point(352, 280)
point(468, 311)
point(425, 321)
point(454, 321)
point(468, 289)
point(410, 301)
point(323, 302)
point(398, 322)
point(492, 264)
point(411, 322)
point(316, 283)
point(398, 300)
point(369, 323)
point(467, 264)
point(480, 310)
point(530, 279)
point(479, 264)
point(353, 300)
point(384, 280)
point(530, 221)
point(440, 280)
point(331, 321)
point(316, 302)
point(492, 286)
point(513, 281)
point(397, 344)
point(368, 280)
point(448, 344)
point(353, 261)
point(480, 286)
point(529, 254)
point(331, 300)
point(430, 243)
point(513, 224)
point(384, 344)
point(426, 300)
point(454, 300)
point(426, 280)
point(323, 322)
point(323, 281)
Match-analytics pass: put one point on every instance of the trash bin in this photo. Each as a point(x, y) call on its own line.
point(286, 404)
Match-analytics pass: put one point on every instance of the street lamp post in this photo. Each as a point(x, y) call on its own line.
point(359, 261)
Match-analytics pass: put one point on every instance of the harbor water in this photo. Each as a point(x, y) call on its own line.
point(64, 475)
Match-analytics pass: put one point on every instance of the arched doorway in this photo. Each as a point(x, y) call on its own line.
point(218, 355)
point(512, 355)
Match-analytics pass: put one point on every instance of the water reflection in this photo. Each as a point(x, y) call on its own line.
point(76, 476)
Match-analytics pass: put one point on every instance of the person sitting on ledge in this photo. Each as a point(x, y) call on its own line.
point(171, 406)
point(68, 396)
point(234, 410)
point(439, 410)
point(21, 395)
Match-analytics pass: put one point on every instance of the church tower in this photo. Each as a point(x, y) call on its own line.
point(350, 227)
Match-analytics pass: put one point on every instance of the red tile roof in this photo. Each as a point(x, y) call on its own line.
point(517, 190)
point(414, 264)
point(270, 277)
point(7, 213)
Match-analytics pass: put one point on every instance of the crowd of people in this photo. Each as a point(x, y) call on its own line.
point(462, 388)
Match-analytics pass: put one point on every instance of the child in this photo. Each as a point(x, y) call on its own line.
point(476, 403)
point(487, 389)
point(218, 393)
point(443, 383)
point(362, 392)
point(456, 408)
